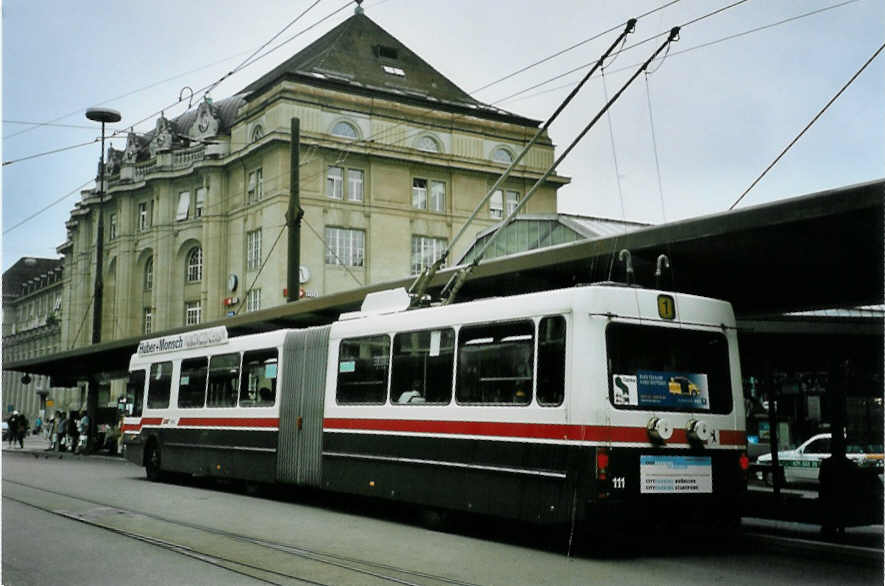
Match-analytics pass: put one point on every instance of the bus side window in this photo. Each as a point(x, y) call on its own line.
point(551, 361)
point(422, 367)
point(192, 382)
point(258, 387)
point(224, 377)
point(159, 385)
point(362, 370)
point(135, 393)
point(495, 363)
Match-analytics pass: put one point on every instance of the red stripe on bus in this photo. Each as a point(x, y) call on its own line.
point(208, 422)
point(229, 421)
point(522, 430)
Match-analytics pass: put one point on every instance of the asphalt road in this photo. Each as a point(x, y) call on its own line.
point(93, 521)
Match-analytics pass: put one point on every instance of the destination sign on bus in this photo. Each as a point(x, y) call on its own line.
point(183, 341)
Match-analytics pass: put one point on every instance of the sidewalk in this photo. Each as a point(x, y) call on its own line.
point(37, 446)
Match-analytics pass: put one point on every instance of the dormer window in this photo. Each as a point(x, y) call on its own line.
point(393, 70)
point(386, 52)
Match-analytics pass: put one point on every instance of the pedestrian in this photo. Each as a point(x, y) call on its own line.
point(11, 428)
point(61, 429)
point(51, 431)
point(38, 425)
point(72, 433)
point(83, 428)
point(22, 424)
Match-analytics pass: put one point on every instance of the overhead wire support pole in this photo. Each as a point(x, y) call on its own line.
point(419, 286)
point(457, 281)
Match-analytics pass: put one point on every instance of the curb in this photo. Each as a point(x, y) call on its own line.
point(818, 549)
point(54, 455)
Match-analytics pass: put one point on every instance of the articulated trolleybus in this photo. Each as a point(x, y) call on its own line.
point(550, 407)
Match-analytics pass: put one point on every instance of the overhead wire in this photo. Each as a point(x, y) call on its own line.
point(256, 51)
point(672, 53)
point(52, 152)
point(570, 48)
point(807, 126)
point(624, 49)
point(50, 205)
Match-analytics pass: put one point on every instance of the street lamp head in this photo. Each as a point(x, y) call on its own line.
point(103, 115)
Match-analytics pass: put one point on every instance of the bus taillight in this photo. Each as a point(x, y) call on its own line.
point(601, 463)
point(744, 462)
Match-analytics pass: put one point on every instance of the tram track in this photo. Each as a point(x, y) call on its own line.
point(261, 559)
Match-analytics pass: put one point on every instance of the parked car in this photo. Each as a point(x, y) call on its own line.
point(802, 464)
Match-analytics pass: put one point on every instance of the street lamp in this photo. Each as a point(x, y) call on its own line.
point(102, 115)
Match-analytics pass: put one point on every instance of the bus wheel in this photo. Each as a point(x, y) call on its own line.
point(152, 463)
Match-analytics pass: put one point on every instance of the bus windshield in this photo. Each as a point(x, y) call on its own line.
point(668, 369)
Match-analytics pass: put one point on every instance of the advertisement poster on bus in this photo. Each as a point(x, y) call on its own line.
point(662, 390)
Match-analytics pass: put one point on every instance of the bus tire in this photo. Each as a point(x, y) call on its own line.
point(152, 463)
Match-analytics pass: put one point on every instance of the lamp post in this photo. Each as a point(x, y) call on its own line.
point(102, 115)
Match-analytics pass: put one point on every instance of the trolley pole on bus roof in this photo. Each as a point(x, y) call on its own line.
point(420, 284)
point(460, 277)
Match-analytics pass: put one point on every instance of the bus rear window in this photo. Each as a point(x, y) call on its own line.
point(668, 369)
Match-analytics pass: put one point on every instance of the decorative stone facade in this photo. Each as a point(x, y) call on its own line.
point(393, 159)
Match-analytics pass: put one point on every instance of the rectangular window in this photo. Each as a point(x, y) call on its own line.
point(362, 370)
point(354, 185)
point(551, 361)
point(668, 369)
point(135, 393)
point(335, 183)
point(253, 300)
point(147, 320)
point(193, 313)
point(255, 190)
point(422, 367)
point(112, 228)
point(345, 246)
point(201, 202)
point(253, 249)
point(495, 363)
point(184, 205)
point(258, 387)
point(224, 377)
point(437, 196)
point(496, 205)
point(192, 382)
point(425, 251)
point(419, 193)
point(143, 217)
point(160, 385)
point(511, 199)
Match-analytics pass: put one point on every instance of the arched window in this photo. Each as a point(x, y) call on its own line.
point(427, 143)
point(502, 155)
point(257, 132)
point(344, 130)
point(149, 273)
point(195, 264)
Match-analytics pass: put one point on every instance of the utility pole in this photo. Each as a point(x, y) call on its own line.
point(294, 215)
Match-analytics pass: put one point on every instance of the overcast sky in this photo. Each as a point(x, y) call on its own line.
point(721, 112)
